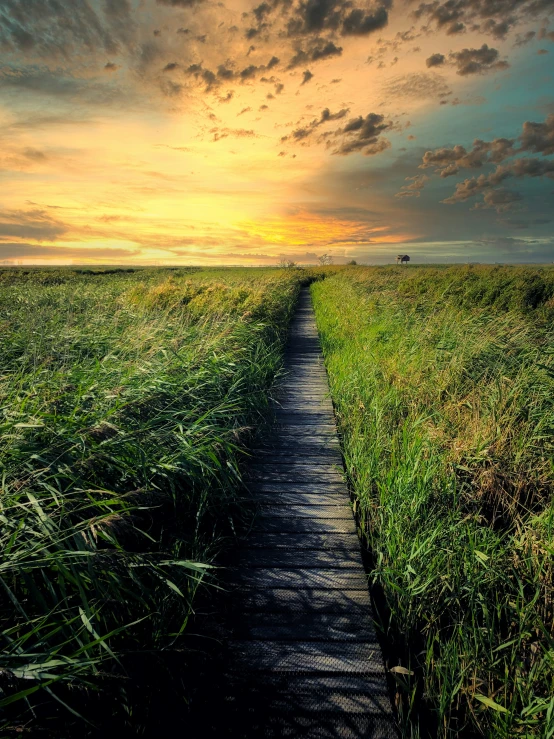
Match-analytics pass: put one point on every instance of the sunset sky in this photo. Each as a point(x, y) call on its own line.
point(236, 132)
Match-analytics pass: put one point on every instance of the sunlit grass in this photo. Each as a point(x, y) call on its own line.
point(443, 382)
point(126, 401)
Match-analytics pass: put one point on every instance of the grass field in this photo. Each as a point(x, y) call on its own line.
point(443, 382)
point(127, 398)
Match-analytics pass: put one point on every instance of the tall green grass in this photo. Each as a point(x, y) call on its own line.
point(443, 382)
point(126, 402)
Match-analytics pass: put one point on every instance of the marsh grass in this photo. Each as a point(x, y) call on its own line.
point(443, 382)
point(127, 399)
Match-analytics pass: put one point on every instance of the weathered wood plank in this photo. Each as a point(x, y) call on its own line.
point(297, 578)
point(299, 498)
point(302, 559)
point(284, 524)
point(334, 542)
point(304, 656)
point(302, 627)
point(314, 600)
point(313, 657)
point(303, 511)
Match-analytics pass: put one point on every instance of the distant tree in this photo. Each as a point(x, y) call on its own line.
point(285, 263)
point(352, 262)
point(325, 259)
point(402, 259)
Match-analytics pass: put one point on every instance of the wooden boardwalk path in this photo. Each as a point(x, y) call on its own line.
point(304, 656)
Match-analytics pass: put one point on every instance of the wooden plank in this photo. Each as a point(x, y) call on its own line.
point(321, 559)
point(301, 627)
point(283, 600)
point(298, 578)
point(314, 657)
point(367, 725)
point(334, 542)
point(299, 498)
point(311, 525)
point(314, 458)
point(302, 511)
point(283, 486)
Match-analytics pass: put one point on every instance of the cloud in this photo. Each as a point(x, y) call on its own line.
point(325, 117)
point(362, 134)
point(501, 200)
point(495, 18)
point(239, 133)
point(470, 61)
point(360, 23)
point(448, 161)
point(310, 17)
point(537, 138)
point(477, 61)
point(306, 77)
point(48, 29)
point(435, 60)
point(36, 224)
point(11, 252)
point(318, 50)
point(418, 86)
point(180, 3)
point(413, 190)
point(473, 186)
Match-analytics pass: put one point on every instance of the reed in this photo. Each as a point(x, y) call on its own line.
point(443, 382)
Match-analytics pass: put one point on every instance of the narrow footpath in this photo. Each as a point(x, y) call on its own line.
point(304, 657)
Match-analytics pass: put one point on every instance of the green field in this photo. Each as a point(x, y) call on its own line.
point(443, 383)
point(128, 402)
point(127, 399)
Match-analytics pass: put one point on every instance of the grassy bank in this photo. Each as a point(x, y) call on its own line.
point(126, 400)
point(443, 382)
